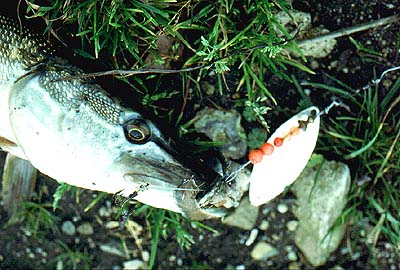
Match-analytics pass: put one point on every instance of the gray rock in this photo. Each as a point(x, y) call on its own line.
point(263, 251)
point(244, 216)
point(282, 208)
point(252, 237)
point(85, 229)
point(223, 127)
point(292, 225)
point(134, 264)
point(68, 228)
point(112, 249)
point(320, 202)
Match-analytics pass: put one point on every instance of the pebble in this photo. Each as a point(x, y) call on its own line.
point(112, 250)
point(103, 212)
point(292, 225)
point(294, 266)
point(179, 261)
point(252, 237)
point(263, 251)
point(292, 256)
point(85, 229)
point(145, 255)
point(240, 267)
point(68, 228)
point(244, 216)
point(172, 258)
point(112, 224)
point(133, 264)
point(264, 225)
point(282, 208)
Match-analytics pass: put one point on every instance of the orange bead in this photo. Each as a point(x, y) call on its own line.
point(255, 156)
point(294, 131)
point(267, 149)
point(278, 141)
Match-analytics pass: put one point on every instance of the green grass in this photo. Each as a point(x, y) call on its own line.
point(71, 259)
point(38, 220)
point(368, 138)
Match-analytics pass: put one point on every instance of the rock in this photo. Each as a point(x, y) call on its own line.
point(282, 208)
point(85, 229)
point(301, 22)
point(263, 251)
point(292, 225)
point(240, 267)
point(112, 224)
point(243, 217)
point(263, 225)
point(292, 256)
point(252, 237)
point(68, 228)
point(298, 22)
point(318, 48)
point(112, 249)
point(319, 204)
point(294, 266)
point(134, 264)
point(223, 127)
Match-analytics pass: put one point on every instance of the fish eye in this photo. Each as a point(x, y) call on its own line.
point(137, 131)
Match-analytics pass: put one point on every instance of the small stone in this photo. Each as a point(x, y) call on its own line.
point(292, 225)
point(275, 237)
point(223, 126)
point(263, 251)
point(314, 65)
point(145, 255)
point(252, 237)
point(111, 249)
point(264, 225)
point(103, 212)
point(68, 228)
point(282, 208)
point(172, 258)
point(294, 266)
point(179, 261)
point(292, 256)
point(133, 264)
point(244, 217)
point(112, 224)
point(240, 267)
point(85, 229)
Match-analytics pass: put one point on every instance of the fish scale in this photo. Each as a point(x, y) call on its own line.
point(22, 51)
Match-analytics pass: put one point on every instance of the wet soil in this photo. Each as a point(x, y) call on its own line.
point(224, 249)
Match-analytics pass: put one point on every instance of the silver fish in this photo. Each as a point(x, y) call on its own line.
point(74, 132)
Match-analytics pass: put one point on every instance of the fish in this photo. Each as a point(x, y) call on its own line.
point(74, 131)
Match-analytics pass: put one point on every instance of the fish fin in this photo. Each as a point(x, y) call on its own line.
point(11, 147)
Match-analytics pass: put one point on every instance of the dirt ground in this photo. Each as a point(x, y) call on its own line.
point(225, 249)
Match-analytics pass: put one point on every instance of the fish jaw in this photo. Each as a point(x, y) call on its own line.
point(78, 147)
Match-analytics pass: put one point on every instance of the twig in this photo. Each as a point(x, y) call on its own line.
point(350, 30)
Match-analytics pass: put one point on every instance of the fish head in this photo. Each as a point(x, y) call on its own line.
point(82, 137)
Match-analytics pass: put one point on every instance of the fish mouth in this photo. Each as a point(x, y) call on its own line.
point(172, 170)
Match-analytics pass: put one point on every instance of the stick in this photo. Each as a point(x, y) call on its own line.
point(350, 30)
